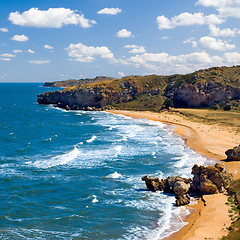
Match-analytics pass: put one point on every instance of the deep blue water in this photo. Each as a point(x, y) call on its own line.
point(77, 175)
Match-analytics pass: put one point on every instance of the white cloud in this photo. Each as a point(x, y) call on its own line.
point(39, 61)
point(215, 44)
point(5, 59)
point(227, 32)
point(192, 41)
point(226, 8)
point(135, 49)
point(188, 19)
point(51, 18)
point(20, 38)
point(30, 51)
point(163, 63)
point(165, 37)
point(121, 74)
point(110, 11)
point(124, 33)
point(48, 46)
point(3, 30)
point(17, 51)
point(82, 53)
point(7, 55)
point(232, 57)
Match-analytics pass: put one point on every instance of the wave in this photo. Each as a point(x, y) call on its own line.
point(91, 139)
point(114, 175)
point(58, 160)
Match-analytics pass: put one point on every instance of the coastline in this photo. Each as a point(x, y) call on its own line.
point(210, 221)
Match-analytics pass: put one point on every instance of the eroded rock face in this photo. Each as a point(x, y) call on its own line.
point(210, 180)
point(233, 154)
point(203, 94)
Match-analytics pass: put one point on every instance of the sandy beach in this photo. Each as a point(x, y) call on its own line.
point(210, 140)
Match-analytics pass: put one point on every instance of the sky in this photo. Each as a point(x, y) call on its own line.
point(42, 40)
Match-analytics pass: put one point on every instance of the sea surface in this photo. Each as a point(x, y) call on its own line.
point(77, 174)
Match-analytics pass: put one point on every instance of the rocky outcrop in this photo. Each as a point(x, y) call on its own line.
point(177, 185)
point(233, 154)
point(203, 94)
point(210, 180)
point(206, 180)
point(99, 95)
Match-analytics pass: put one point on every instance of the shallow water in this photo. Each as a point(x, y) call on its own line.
point(77, 175)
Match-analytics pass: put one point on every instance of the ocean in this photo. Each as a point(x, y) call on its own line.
point(77, 174)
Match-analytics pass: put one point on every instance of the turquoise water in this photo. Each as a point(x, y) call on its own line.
point(77, 175)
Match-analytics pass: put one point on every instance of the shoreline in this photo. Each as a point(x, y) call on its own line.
point(211, 141)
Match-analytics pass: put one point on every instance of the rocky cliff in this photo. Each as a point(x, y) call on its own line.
point(74, 82)
point(204, 88)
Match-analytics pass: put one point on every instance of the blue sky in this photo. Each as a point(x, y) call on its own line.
point(44, 40)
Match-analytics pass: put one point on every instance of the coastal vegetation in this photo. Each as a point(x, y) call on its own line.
point(215, 88)
point(234, 202)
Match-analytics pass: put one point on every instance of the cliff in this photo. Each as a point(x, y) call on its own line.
point(213, 87)
point(74, 82)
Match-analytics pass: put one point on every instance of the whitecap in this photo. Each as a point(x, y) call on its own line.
point(58, 160)
point(91, 139)
point(95, 200)
point(114, 175)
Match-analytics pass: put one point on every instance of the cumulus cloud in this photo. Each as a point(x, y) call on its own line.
point(39, 61)
point(192, 41)
point(20, 38)
point(30, 51)
point(17, 51)
point(110, 11)
point(188, 19)
point(135, 49)
point(164, 63)
point(215, 44)
point(82, 53)
point(226, 8)
point(227, 32)
point(3, 30)
point(124, 33)
point(7, 55)
point(232, 57)
point(48, 46)
point(51, 18)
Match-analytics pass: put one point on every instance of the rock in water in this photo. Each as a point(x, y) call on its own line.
point(233, 154)
point(154, 184)
point(182, 200)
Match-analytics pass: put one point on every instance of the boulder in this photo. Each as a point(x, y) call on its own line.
point(210, 180)
point(233, 154)
point(178, 185)
point(154, 184)
point(182, 200)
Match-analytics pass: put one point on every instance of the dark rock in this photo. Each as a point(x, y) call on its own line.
point(154, 184)
point(182, 200)
point(233, 154)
